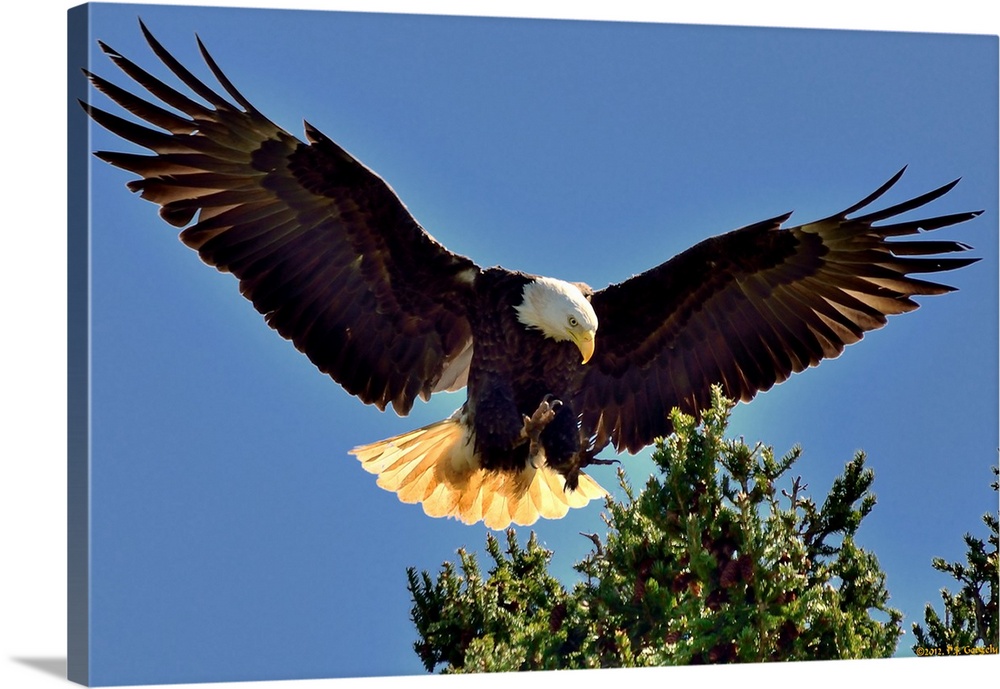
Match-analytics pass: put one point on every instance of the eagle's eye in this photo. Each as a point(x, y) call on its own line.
point(573, 322)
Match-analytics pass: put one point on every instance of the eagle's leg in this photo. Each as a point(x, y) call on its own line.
point(584, 458)
point(590, 448)
point(536, 423)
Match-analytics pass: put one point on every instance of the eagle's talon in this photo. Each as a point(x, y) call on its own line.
point(536, 423)
point(600, 462)
point(550, 401)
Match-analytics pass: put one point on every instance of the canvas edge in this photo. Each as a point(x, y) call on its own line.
point(78, 350)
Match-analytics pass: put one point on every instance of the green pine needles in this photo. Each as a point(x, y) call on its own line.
point(720, 558)
point(969, 626)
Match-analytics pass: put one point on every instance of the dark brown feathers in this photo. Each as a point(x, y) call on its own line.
point(321, 245)
point(749, 308)
point(333, 260)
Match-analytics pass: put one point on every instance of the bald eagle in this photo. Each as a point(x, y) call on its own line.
point(555, 372)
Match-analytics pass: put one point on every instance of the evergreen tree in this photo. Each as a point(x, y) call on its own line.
point(709, 563)
point(970, 616)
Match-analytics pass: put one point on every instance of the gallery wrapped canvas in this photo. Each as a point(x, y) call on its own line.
point(276, 296)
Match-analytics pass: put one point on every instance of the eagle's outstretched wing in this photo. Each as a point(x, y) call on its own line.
point(322, 246)
point(748, 308)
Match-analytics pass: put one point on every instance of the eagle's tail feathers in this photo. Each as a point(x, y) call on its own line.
point(437, 467)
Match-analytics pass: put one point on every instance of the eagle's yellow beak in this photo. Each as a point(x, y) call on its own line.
point(585, 341)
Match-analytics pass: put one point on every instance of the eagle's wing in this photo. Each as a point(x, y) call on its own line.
point(748, 308)
point(321, 245)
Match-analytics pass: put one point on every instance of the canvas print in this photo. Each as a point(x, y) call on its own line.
point(408, 344)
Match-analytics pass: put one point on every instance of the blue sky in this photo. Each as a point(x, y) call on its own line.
point(235, 538)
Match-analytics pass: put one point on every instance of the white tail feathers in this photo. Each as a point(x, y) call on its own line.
point(436, 466)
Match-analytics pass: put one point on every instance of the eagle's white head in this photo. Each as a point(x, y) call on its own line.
point(561, 311)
